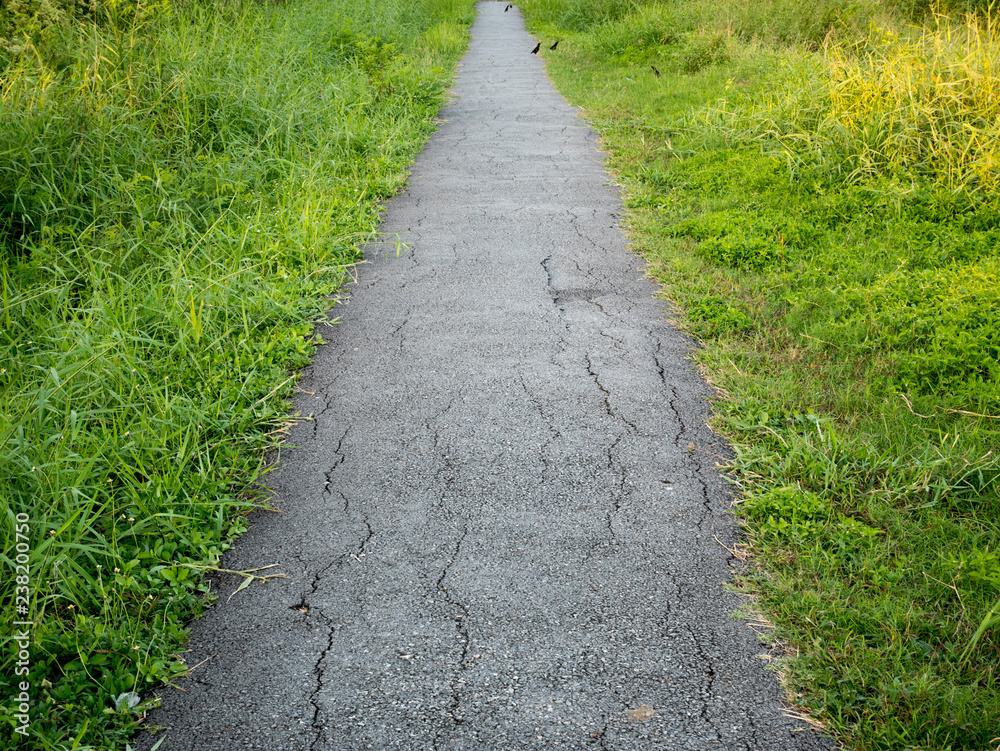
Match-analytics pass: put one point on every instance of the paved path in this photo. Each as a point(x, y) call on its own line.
point(499, 525)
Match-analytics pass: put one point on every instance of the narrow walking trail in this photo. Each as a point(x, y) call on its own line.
point(499, 524)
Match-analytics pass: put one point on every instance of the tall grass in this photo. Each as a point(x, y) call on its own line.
point(910, 104)
point(181, 193)
point(929, 104)
point(910, 118)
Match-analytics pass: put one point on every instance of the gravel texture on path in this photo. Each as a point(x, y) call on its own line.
point(499, 525)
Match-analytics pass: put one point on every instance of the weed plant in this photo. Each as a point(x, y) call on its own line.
point(819, 202)
point(182, 190)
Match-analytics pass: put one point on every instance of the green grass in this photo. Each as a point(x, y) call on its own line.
point(844, 282)
point(182, 192)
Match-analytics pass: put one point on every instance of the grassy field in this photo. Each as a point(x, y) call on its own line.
point(815, 187)
point(182, 189)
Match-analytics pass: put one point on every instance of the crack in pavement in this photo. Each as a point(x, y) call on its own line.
point(549, 420)
point(632, 427)
point(338, 452)
point(461, 625)
point(304, 606)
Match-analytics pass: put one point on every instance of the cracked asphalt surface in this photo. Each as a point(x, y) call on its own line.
point(499, 524)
